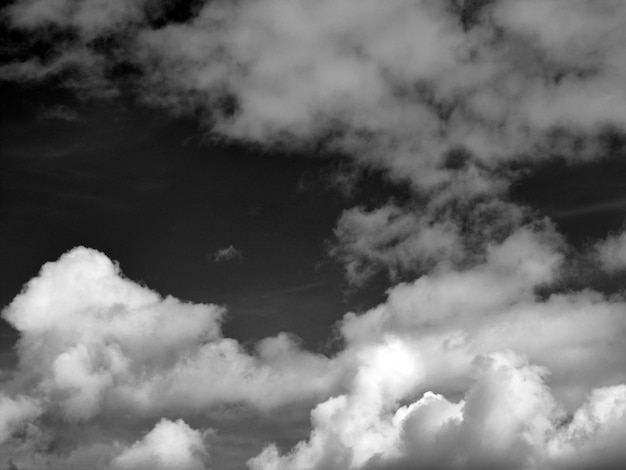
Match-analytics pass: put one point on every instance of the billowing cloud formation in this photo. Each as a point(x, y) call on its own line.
point(478, 362)
point(94, 344)
point(483, 358)
point(452, 333)
point(507, 419)
point(95, 339)
point(169, 446)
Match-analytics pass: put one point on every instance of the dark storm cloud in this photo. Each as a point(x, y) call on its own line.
point(467, 365)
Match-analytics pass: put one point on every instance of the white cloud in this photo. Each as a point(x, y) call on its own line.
point(507, 418)
point(396, 85)
point(93, 338)
point(400, 85)
point(465, 336)
point(392, 239)
point(611, 253)
point(467, 366)
point(171, 445)
point(96, 347)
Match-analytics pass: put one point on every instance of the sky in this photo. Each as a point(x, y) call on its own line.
point(312, 235)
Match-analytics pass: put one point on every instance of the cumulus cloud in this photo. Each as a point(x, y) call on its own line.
point(474, 363)
point(507, 418)
point(94, 344)
point(503, 374)
point(169, 446)
point(95, 339)
point(97, 347)
point(611, 253)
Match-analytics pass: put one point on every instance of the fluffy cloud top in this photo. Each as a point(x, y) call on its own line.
point(169, 446)
point(97, 348)
point(97, 339)
point(507, 419)
point(611, 253)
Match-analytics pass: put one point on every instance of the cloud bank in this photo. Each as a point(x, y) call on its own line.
point(476, 361)
point(472, 360)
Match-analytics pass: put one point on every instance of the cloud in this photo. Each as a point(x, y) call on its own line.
point(507, 418)
point(229, 253)
point(502, 373)
point(392, 239)
point(398, 86)
point(91, 18)
point(476, 361)
point(171, 445)
point(15, 413)
point(611, 253)
point(94, 339)
point(401, 86)
point(96, 347)
point(406, 240)
point(453, 97)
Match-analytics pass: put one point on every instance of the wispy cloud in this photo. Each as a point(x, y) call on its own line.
point(229, 253)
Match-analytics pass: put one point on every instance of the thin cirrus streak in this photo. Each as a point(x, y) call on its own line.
point(468, 365)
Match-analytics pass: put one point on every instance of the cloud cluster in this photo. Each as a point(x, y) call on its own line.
point(474, 363)
point(506, 419)
point(94, 344)
point(503, 378)
point(470, 359)
point(452, 96)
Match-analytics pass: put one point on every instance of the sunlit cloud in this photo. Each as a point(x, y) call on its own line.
point(474, 360)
